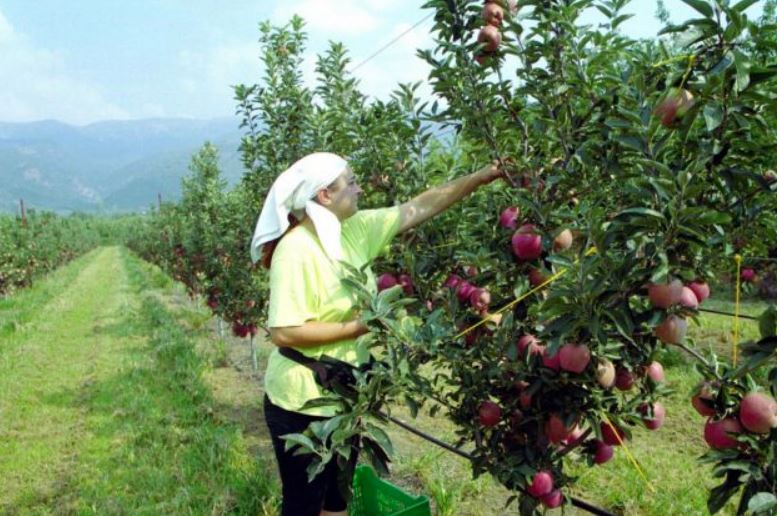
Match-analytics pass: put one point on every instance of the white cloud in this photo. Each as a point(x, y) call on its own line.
point(36, 85)
point(340, 17)
point(6, 31)
point(208, 75)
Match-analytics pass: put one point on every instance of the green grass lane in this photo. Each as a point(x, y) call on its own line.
point(47, 362)
point(104, 410)
point(18, 311)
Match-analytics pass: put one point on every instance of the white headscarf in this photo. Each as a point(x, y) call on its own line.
point(293, 192)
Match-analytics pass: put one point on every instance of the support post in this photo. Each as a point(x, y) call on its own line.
point(253, 354)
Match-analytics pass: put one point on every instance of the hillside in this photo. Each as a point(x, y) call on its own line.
point(106, 166)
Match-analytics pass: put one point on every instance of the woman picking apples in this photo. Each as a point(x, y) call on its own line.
point(310, 223)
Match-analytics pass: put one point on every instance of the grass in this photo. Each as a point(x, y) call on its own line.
point(121, 399)
point(18, 311)
point(107, 410)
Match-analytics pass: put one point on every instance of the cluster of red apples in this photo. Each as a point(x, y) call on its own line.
point(490, 35)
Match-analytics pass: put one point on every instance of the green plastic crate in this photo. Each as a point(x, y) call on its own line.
point(373, 496)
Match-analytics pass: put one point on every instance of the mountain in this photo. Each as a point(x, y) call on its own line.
point(110, 166)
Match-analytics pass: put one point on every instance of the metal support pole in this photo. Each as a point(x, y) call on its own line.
point(253, 354)
point(577, 502)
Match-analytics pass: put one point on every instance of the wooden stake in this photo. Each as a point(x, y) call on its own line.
point(23, 212)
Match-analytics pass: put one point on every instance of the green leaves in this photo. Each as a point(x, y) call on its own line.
point(742, 63)
point(713, 116)
point(701, 6)
point(722, 493)
point(641, 212)
point(742, 5)
point(762, 503)
point(767, 322)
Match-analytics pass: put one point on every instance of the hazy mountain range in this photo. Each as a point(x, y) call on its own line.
point(112, 166)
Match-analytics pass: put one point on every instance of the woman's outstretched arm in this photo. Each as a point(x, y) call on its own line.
point(439, 198)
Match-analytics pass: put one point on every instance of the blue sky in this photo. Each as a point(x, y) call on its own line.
point(81, 61)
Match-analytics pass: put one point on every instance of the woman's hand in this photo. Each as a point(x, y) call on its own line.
point(490, 172)
point(361, 328)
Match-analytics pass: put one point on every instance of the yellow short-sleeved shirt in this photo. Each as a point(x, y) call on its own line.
point(305, 286)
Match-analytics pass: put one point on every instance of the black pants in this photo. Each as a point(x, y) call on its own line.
point(300, 498)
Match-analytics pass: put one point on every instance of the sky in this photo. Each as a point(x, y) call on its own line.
point(81, 61)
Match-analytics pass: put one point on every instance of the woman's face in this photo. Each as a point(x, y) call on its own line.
point(344, 195)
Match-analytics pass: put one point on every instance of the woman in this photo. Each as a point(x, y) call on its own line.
point(310, 309)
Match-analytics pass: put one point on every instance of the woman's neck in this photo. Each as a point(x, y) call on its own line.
point(307, 222)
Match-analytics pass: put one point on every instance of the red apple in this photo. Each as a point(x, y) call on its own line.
point(672, 330)
point(407, 284)
point(688, 299)
point(493, 14)
point(563, 241)
point(574, 357)
point(536, 277)
point(527, 245)
point(703, 401)
point(747, 275)
point(541, 484)
point(452, 281)
point(471, 337)
point(718, 434)
point(556, 431)
point(464, 289)
point(509, 217)
point(701, 289)
point(674, 105)
point(489, 414)
point(512, 5)
point(655, 371)
point(386, 280)
point(483, 58)
point(240, 330)
point(605, 373)
point(480, 298)
point(665, 295)
point(612, 436)
point(553, 499)
point(491, 36)
point(624, 379)
point(530, 343)
point(551, 362)
point(604, 452)
point(758, 413)
point(659, 414)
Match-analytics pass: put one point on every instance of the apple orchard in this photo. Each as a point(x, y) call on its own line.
point(533, 314)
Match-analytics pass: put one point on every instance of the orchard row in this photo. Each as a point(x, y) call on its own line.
point(635, 172)
point(41, 242)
